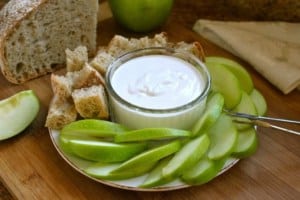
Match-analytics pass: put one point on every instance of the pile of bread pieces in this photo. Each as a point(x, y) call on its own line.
point(80, 92)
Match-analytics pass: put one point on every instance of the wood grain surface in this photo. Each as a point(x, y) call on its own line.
point(31, 168)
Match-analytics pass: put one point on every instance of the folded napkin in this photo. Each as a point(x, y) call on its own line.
point(272, 48)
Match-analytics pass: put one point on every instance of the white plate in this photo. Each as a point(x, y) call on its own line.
point(128, 184)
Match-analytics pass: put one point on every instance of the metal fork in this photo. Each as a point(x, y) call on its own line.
point(261, 121)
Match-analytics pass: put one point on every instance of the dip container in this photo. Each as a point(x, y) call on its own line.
point(138, 116)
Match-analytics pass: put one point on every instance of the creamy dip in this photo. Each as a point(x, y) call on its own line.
point(157, 88)
point(157, 82)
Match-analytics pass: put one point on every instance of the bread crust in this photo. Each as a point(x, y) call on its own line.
point(11, 17)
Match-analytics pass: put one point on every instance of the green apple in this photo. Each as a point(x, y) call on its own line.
point(211, 113)
point(223, 136)
point(105, 151)
point(239, 71)
point(151, 156)
point(203, 171)
point(151, 134)
point(17, 112)
point(93, 127)
point(246, 105)
point(155, 177)
point(141, 15)
point(259, 102)
point(103, 171)
point(188, 155)
point(226, 83)
point(247, 143)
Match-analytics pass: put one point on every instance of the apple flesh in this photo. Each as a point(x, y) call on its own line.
point(17, 112)
point(141, 15)
point(247, 143)
point(239, 71)
point(259, 102)
point(226, 83)
point(211, 113)
point(223, 136)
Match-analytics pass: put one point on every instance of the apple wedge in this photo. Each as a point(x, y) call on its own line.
point(17, 112)
point(247, 143)
point(151, 134)
point(210, 115)
point(259, 102)
point(226, 83)
point(223, 136)
point(103, 171)
point(93, 127)
point(238, 70)
point(148, 157)
point(188, 155)
point(155, 177)
point(246, 105)
point(203, 171)
point(105, 151)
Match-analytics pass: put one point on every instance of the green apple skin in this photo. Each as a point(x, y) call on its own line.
point(213, 110)
point(202, 172)
point(246, 105)
point(17, 112)
point(141, 15)
point(105, 151)
point(150, 156)
point(155, 177)
point(103, 171)
point(238, 70)
point(223, 136)
point(93, 127)
point(151, 134)
point(226, 83)
point(247, 143)
point(188, 155)
point(259, 102)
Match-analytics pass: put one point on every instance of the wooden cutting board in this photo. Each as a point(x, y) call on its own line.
point(31, 168)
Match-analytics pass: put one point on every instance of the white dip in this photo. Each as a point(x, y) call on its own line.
point(157, 82)
point(156, 89)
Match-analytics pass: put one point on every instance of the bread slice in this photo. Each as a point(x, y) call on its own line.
point(91, 102)
point(61, 86)
point(77, 58)
point(61, 112)
point(35, 33)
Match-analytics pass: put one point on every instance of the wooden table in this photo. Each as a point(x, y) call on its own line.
point(31, 168)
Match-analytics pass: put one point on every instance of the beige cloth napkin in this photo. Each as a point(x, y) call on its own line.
point(272, 48)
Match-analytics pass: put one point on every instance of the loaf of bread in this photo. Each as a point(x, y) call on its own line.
point(34, 35)
point(77, 58)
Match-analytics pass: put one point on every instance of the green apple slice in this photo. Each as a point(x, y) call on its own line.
point(211, 113)
point(17, 112)
point(202, 172)
point(247, 143)
point(238, 70)
point(151, 156)
point(225, 82)
point(188, 155)
point(105, 151)
point(223, 136)
point(151, 134)
point(93, 127)
point(155, 177)
point(246, 105)
point(103, 171)
point(259, 102)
